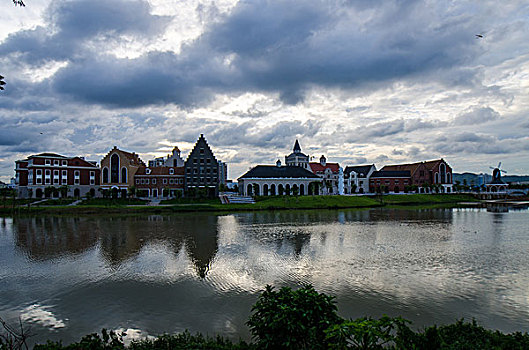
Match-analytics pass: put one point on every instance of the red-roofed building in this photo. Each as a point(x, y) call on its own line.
point(329, 173)
point(65, 176)
point(426, 175)
point(159, 181)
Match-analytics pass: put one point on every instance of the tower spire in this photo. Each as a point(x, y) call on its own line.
point(297, 148)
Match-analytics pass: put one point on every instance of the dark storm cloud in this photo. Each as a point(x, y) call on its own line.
point(284, 47)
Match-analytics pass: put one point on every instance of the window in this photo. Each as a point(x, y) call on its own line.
point(56, 176)
point(64, 163)
point(76, 179)
point(114, 168)
point(143, 181)
point(56, 162)
point(124, 175)
point(181, 181)
point(48, 172)
point(194, 161)
point(105, 175)
point(165, 181)
point(147, 171)
point(421, 173)
point(201, 151)
point(147, 181)
point(64, 173)
point(56, 173)
point(39, 172)
point(208, 161)
point(171, 181)
point(171, 171)
point(154, 181)
point(137, 181)
point(47, 162)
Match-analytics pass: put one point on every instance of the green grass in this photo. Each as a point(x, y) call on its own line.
point(405, 199)
point(191, 201)
point(112, 202)
point(59, 201)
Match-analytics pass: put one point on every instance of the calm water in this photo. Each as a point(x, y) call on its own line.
point(68, 277)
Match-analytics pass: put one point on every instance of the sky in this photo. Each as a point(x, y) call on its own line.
point(361, 82)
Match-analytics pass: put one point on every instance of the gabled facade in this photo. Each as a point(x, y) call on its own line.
point(356, 178)
point(330, 175)
point(201, 170)
point(118, 168)
point(75, 176)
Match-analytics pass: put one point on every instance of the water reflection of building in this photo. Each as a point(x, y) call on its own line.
point(51, 237)
point(120, 238)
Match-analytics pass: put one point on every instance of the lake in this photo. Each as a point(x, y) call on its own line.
point(67, 277)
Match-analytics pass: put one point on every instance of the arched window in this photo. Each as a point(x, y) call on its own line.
point(265, 190)
point(249, 189)
point(442, 170)
point(124, 175)
point(301, 190)
point(105, 175)
point(114, 168)
point(273, 189)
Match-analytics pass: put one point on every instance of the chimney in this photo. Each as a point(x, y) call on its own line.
point(323, 161)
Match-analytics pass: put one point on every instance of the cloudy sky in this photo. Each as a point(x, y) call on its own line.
point(361, 81)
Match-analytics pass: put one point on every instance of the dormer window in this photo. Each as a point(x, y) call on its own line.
point(171, 171)
point(148, 171)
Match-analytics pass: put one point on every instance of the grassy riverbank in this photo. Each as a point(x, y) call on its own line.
point(133, 206)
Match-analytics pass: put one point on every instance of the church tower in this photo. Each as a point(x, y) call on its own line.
point(297, 158)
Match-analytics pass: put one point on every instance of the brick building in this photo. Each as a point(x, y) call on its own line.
point(201, 170)
point(64, 176)
point(427, 175)
point(118, 169)
point(159, 182)
point(386, 181)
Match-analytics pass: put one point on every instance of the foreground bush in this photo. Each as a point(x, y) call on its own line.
point(292, 319)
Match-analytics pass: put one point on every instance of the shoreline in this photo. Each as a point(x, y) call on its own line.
point(262, 204)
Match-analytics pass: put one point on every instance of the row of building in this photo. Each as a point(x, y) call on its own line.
point(300, 176)
point(120, 173)
point(123, 173)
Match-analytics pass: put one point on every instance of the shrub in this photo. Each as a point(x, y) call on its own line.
point(292, 319)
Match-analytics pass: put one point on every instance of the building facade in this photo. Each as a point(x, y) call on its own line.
point(434, 175)
point(159, 182)
point(390, 181)
point(54, 175)
point(270, 180)
point(201, 171)
point(356, 178)
point(118, 168)
point(330, 175)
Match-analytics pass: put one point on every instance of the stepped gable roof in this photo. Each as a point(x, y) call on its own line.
point(160, 170)
point(201, 142)
point(274, 171)
point(317, 167)
point(361, 170)
point(391, 173)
